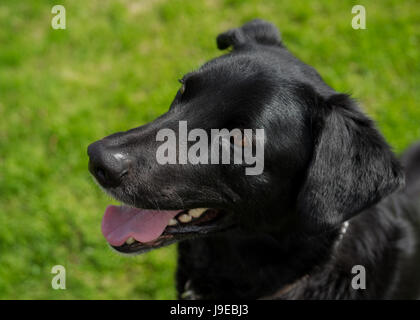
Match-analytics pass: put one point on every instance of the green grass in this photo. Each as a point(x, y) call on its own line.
point(115, 67)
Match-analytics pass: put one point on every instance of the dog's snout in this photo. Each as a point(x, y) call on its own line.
point(106, 164)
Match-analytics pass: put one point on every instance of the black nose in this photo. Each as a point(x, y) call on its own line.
point(107, 164)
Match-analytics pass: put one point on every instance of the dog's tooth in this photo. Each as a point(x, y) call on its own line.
point(195, 213)
point(172, 222)
point(185, 218)
point(130, 240)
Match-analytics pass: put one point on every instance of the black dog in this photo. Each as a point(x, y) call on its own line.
point(331, 196)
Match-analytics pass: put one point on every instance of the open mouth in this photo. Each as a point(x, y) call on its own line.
point(133, 230)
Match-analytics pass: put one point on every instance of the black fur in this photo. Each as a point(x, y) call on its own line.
point(325, 163)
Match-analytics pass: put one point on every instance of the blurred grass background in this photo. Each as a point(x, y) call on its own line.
point(115, 67)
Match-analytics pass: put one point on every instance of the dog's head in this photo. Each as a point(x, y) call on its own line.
point(323, 159)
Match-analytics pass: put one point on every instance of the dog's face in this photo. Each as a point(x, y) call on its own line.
point(323, 160)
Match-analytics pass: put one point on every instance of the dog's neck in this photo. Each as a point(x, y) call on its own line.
point(253, 256)
point(286, 289)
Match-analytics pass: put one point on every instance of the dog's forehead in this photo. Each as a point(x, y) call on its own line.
point(245, 73)
point(231, 67)
point(244, 86)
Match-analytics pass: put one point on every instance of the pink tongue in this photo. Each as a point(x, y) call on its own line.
point(121, 222)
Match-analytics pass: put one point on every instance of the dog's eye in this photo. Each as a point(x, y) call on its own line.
point(182, 89)
point(241, 140)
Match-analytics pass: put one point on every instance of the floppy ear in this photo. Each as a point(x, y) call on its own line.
point(255, 31)
point(352, 167)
